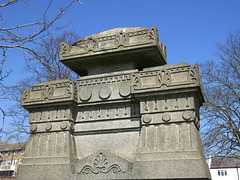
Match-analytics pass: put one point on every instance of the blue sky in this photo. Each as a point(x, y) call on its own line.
point(189, 28)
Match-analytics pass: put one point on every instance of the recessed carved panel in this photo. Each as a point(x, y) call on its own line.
point(101, 165)
point(53, 91)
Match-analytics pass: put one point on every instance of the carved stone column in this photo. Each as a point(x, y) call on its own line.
point(51, 147)
point(170, 146)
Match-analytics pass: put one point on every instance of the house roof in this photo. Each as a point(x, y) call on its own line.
point(225, 162)
point(12, 147)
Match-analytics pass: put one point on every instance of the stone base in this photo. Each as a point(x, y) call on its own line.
point(44, 172)
point(171, 169)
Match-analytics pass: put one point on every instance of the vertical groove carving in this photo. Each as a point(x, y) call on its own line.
point(155, 104)
point(165, 102)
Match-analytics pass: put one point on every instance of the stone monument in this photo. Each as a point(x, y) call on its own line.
point(128, 116)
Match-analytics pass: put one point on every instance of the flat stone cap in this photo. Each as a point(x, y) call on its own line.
point(114, 50)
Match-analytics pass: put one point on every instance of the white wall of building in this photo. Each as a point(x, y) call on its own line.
point(232, 174)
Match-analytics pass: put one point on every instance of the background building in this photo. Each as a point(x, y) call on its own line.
point(11, 156)
point(225, 168)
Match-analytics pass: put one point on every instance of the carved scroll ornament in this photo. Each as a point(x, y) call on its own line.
point(101, 165)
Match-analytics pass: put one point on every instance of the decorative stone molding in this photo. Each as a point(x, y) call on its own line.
point(126, 37)
point(63, 125)
point(25, 94)
point(64, 49)
point(109, 79)
point(33, 128)
point(124, 89)
point(85, 93)
point(166, 117)
point(91, 44)
point(48, 126)
point(126, 101)
point(101, 165)
point(187, 115)
point(153, 34)
point(104, 92)
point(147, 118)
point(165, 78)
point(49, 92)
point(194, 74)
point(122, 39)
point(144, 41)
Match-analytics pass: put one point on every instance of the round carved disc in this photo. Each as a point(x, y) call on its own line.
point(104, 92)
point(63, 125)
point(33, 127)
point(187, 115)
point(85, 93)
point(48, 126)
point(124, 89)
point(147, 118)
point(166, 117)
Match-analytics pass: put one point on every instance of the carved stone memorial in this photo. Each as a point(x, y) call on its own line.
point(128, 116)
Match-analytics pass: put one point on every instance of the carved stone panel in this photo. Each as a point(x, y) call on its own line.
point(102, 164)
point(49, 92)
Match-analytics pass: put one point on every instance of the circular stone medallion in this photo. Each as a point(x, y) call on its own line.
point(33, 127)
point(124, 89)
point(48, 126)
point(85, 93)
point(63, 125)
point(166, 117)
point(147, 118)
point(187, 115)
point(104, 92)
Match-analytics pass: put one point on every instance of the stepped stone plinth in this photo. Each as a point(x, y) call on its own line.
point(128, 116)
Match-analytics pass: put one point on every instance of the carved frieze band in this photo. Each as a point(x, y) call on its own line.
point(121, 39)
point(167, 103)
point(51, 127)
point(104, 80)
point(101, 166)
point(46, 114)
point(104, 88)
point(165, 78)
point(49, 92)
point(107, 112)
point(169, 117)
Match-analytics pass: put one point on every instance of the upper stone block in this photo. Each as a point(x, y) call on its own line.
point(114, 50)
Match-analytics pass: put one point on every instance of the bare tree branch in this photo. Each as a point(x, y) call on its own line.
point(23, 37)
point(221, 112)
point(42, 64)
point(8, 3)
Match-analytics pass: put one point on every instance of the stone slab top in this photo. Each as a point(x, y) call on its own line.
point(114, 50)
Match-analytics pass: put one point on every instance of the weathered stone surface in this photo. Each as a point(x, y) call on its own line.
point(114, 50)
point(129, 124)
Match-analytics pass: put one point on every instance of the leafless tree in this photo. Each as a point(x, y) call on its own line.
point(221, 112)
point(22, 37)
point(43, 65)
